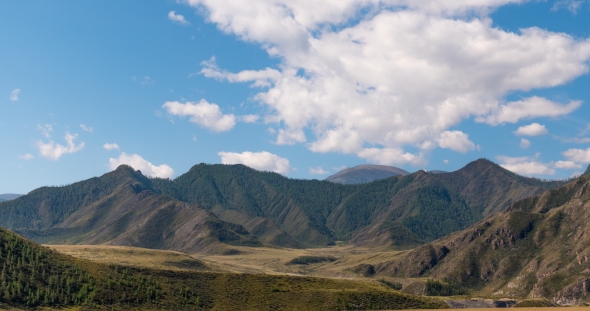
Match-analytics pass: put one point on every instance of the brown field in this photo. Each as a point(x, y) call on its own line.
point(131, 256)
point(268, 260)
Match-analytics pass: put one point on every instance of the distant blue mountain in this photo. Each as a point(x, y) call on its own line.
point(365, 173)
point(9, 196)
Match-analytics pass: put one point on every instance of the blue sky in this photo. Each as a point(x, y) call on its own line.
point(304, 88)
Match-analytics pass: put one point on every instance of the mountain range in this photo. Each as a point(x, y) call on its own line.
point(215, 205)
point(538, 248)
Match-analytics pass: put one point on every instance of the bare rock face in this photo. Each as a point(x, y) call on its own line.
point(573, 293)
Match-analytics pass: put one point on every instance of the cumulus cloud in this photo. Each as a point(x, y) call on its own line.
point(567, 165)
point(529, 108)
point(139, 163)
point(578, 155)
point(262, 161)
point(250, 118)
point(54, 151)
point(203, 113)
point(455, 140)
point(369, 81)
point(86, 128)
point(318, 171)
point(14, 95)
point(177, 18)
point(525, 143)
point(389, 156)
point(526, 165)
point(26, 156)
point(534, 129)
point(112, 146)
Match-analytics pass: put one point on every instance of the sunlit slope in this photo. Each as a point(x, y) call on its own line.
point(239, 205)
point(34, 276)
point(540, 247)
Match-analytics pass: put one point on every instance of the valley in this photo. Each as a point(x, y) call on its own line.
point(378, 245)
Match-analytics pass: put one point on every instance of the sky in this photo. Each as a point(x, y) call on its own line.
point(304, 88)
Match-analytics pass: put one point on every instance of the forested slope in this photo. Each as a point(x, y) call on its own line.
point(401, 211)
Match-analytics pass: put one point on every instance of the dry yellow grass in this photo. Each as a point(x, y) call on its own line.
point(130, 256)
point(268, 260)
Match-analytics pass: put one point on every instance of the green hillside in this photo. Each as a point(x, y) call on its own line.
point(538, 248)
point(34, 276)
point(400, 211)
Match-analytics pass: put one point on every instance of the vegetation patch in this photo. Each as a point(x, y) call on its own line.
point(445, 288)
point(392, 285)
point(308, 260)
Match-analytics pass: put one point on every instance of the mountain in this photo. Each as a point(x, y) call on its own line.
point(36, 277)
point(9, 196)
point(124, 207)
point(538, 248)
point(365, 173)
point(118, 209)
point(587, 172)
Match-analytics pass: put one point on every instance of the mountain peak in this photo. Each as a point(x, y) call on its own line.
point(587, 172)
point(365, 173)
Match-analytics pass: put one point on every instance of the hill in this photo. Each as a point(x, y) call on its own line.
point(118, 209)
point(361, 174)
point(35, 276)
point(399, 211)
point(539, 247)
point(9, 196)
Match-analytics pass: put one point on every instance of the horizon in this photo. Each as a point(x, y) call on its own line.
point(301, 90)
point(294, 178)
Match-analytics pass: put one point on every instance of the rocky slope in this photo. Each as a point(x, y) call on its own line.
point(539, 247)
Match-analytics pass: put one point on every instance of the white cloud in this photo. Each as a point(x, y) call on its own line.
point(370, 81)
point(455, 140)
point(203, 113)
point(14, 95)
point(263, 161)
point(139, 163)
point(567, 165)
point(45, 129)
point(318, 171)
point(389, 156)
point(525, 143)
point(26, 156)
point(445, 161)
point(112, 146)
point(526, 165)
point(529, 108)
point(54, 151)
point(534, 129)
point(86, 128)
point(250, 118)
point(571, 5)
point(578, 155)
point(177, 18)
